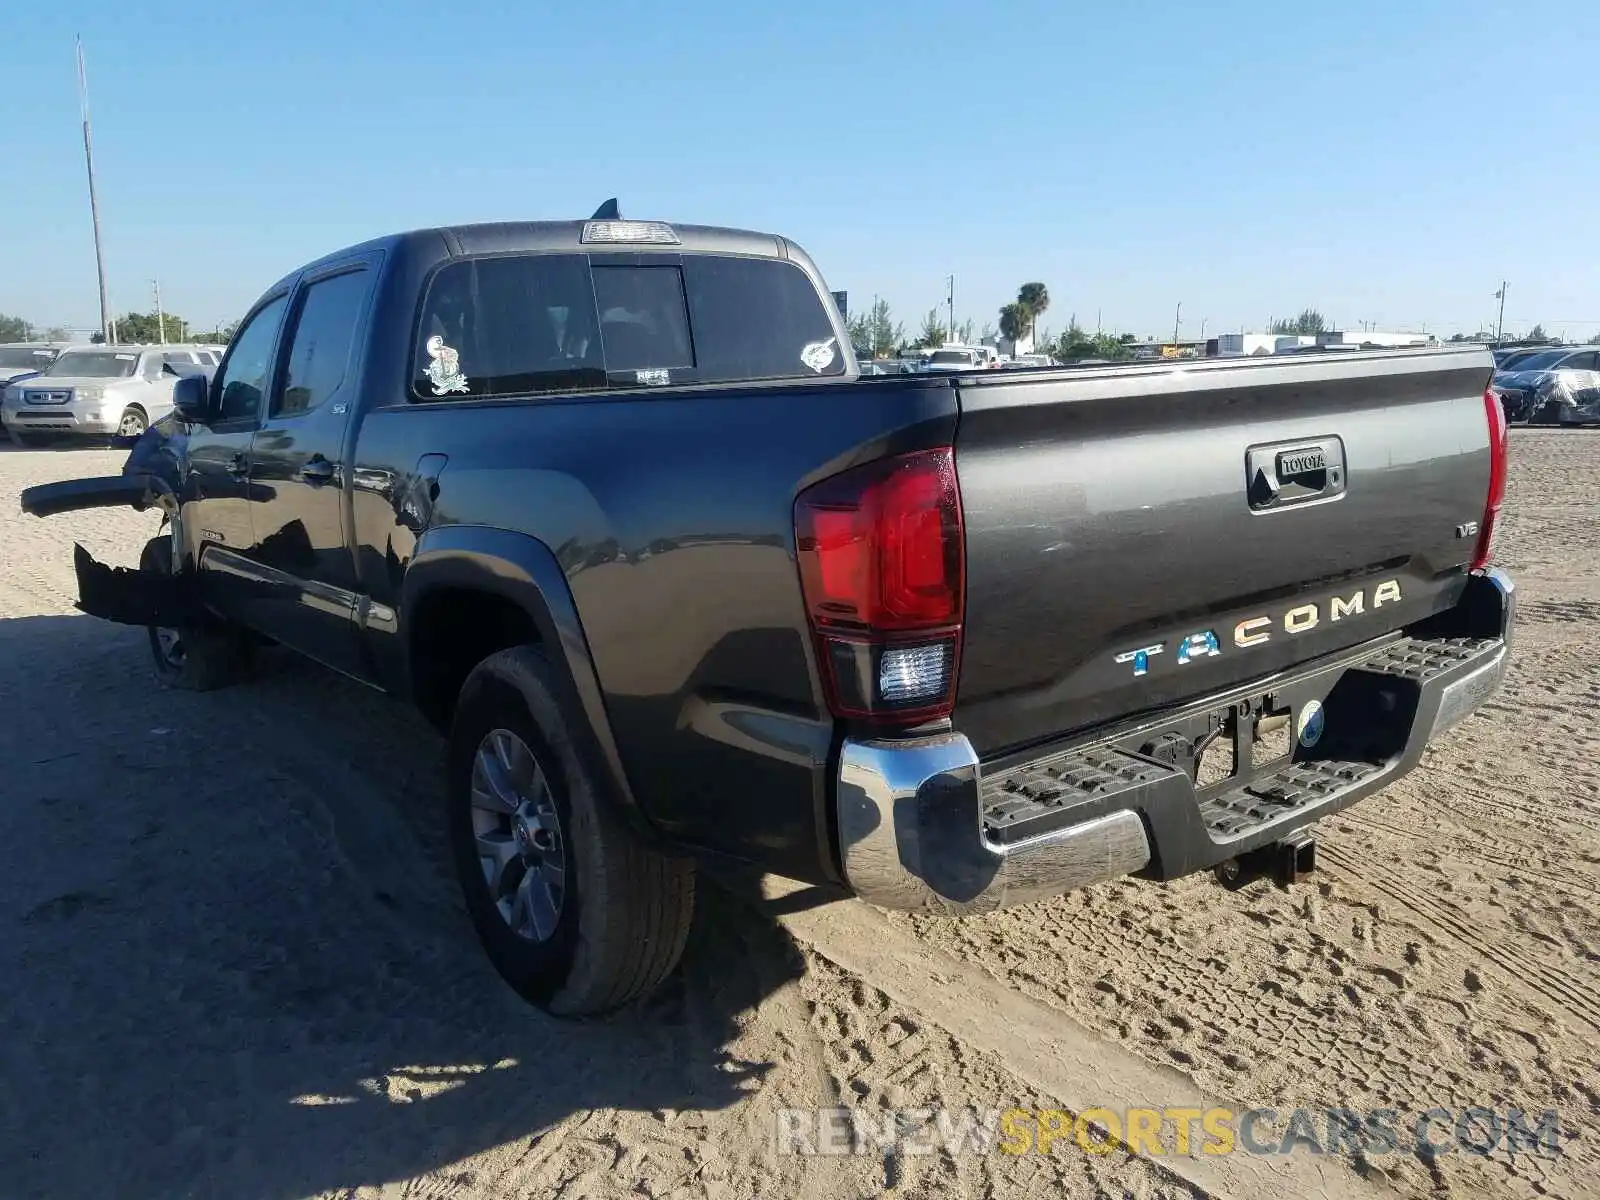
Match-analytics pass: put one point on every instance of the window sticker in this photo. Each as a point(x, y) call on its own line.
point(654, 377)
point(818, 356)
point(444, 369)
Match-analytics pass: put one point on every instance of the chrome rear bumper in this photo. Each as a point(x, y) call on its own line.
point(921, 828)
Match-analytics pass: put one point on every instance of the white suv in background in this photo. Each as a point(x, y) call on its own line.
point(97, 391)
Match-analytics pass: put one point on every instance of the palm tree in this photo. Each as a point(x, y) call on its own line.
point(1014, 319)
point(1034, 298)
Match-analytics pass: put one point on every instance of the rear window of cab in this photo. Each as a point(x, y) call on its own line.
point(543, 324)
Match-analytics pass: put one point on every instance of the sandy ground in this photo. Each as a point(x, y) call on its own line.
point(232, 960)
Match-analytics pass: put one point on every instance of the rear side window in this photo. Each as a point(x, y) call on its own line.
point(324, 333)
point(513, 326)
point(758, 319)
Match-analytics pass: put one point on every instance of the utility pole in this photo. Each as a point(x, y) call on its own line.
point(94, 204)
point(1177, 319)
point(1500, 324)
point(161, 320)
point(950, 283)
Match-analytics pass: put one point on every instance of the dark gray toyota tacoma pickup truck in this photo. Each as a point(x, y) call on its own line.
point(610, 501)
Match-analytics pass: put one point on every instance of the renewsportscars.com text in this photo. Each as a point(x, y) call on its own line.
point(1163, 1132)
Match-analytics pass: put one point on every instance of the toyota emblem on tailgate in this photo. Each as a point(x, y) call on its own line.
point(1283, 474)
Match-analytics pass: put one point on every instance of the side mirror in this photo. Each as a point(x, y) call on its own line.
point(191, 396)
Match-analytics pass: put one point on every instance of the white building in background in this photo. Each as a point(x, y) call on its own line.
point(1373, 337)
point(1234, 345)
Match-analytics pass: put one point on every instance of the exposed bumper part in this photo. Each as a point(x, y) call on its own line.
point(139, 491)
point(924, 826)
point(134, 597)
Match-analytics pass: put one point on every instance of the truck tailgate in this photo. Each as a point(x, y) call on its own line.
point(1143, 535)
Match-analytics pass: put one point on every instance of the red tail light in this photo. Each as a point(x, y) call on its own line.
point(1498, 454)
point(882, 570)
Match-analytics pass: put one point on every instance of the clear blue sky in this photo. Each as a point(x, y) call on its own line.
point(1386, 160)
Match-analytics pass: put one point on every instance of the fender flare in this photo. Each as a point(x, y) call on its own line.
point(523, 570)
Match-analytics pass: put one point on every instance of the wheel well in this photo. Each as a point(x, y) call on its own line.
point(143, 412)
point(452, 631)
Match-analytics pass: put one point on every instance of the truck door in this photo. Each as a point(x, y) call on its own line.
point(217, 528)
point(307, 595)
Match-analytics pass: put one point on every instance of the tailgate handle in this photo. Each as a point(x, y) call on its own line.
point(1283, 474)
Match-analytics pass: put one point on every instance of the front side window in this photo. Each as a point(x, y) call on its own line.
point(243, 378)
point(510, 326)
point(758, 318)
point(324, 334)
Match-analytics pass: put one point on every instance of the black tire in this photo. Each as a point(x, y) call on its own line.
point(623, 915)
point(193, 659)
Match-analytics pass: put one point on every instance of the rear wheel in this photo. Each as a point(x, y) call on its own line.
point(194, 658)
point(575, 911)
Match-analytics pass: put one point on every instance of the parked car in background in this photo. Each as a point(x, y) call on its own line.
point(953, 358)
point(1558, 386)
point(18, 360)
point(95, 391)
point(1508, 359)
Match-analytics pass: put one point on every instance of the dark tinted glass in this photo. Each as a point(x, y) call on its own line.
point(323, 335)
point(643, 322)
point(244, 376)
point(758, 319)
point(521, 325)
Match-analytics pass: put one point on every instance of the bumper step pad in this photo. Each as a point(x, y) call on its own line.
point(1420, 659)
point(1241, 810)
point(1040, 796)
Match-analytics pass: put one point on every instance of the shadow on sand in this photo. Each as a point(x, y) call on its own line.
point(235, 963)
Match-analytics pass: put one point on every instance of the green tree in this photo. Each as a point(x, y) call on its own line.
point(1309, 321)
point(56, 333)
point(14, 329)
point(1595, 340)
point(145, 327)
point(966, 331)
point(216, 337)
point(856, 327)
point(1014, 321)
point(881, 334)
point(1034, 298)
point(1109, 346)
point(1537, 334)
point(932, 332)
point(1074, 343)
